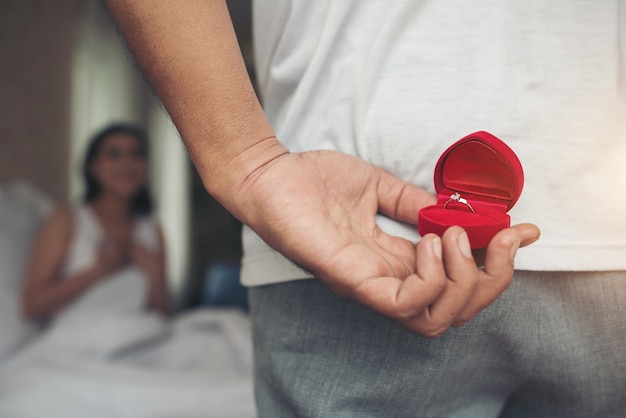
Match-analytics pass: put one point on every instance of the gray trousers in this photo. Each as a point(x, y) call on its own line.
point(553, 345)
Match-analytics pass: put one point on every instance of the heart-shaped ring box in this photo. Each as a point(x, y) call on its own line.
point(478, 180)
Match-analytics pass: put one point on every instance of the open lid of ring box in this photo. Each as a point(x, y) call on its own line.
point(477, 179)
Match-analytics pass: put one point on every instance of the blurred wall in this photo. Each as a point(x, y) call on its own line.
point(36, 40)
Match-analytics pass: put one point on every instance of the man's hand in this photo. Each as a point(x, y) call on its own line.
point(318, 209)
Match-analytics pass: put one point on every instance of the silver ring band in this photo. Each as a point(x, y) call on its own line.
point(456, 198)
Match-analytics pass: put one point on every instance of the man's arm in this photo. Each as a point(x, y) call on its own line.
point(189, 53)
point(317, 208)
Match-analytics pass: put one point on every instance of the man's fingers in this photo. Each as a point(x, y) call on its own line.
point(461, 282)
point(400, 200)
point(429, 301)
point(496, 275)
point(404, 299)
point(529, 233)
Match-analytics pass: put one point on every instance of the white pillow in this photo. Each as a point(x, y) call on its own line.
point(22, 209)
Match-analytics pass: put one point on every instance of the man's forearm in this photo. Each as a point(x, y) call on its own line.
point(189, 53)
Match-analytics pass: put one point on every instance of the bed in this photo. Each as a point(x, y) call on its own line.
point(197, 364)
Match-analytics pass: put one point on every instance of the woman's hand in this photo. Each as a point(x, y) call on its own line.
point(147, 260)
point(111, 257)
point(152, 262)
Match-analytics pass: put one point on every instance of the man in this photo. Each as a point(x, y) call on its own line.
point(364, 96)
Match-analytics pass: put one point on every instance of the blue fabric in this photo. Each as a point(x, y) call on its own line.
point(222, 286)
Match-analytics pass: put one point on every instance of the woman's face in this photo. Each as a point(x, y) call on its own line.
point(120, 165)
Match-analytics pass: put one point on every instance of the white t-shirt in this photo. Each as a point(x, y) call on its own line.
point(397, 82)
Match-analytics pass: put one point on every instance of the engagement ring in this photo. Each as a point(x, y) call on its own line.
point(456, 198)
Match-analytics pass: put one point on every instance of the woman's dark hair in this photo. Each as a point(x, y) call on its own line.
point(141, 203)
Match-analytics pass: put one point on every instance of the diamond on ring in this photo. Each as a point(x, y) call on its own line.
point(456, 198)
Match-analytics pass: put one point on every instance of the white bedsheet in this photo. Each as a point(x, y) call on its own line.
point(135, 366)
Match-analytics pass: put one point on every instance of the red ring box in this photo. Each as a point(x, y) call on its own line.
point(487, 174)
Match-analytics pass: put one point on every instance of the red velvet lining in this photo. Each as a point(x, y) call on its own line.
point(475, 168)
point(480, 167)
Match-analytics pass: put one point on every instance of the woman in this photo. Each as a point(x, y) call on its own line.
point(104, 256)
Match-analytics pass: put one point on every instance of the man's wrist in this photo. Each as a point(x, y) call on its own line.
point(227, 177)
